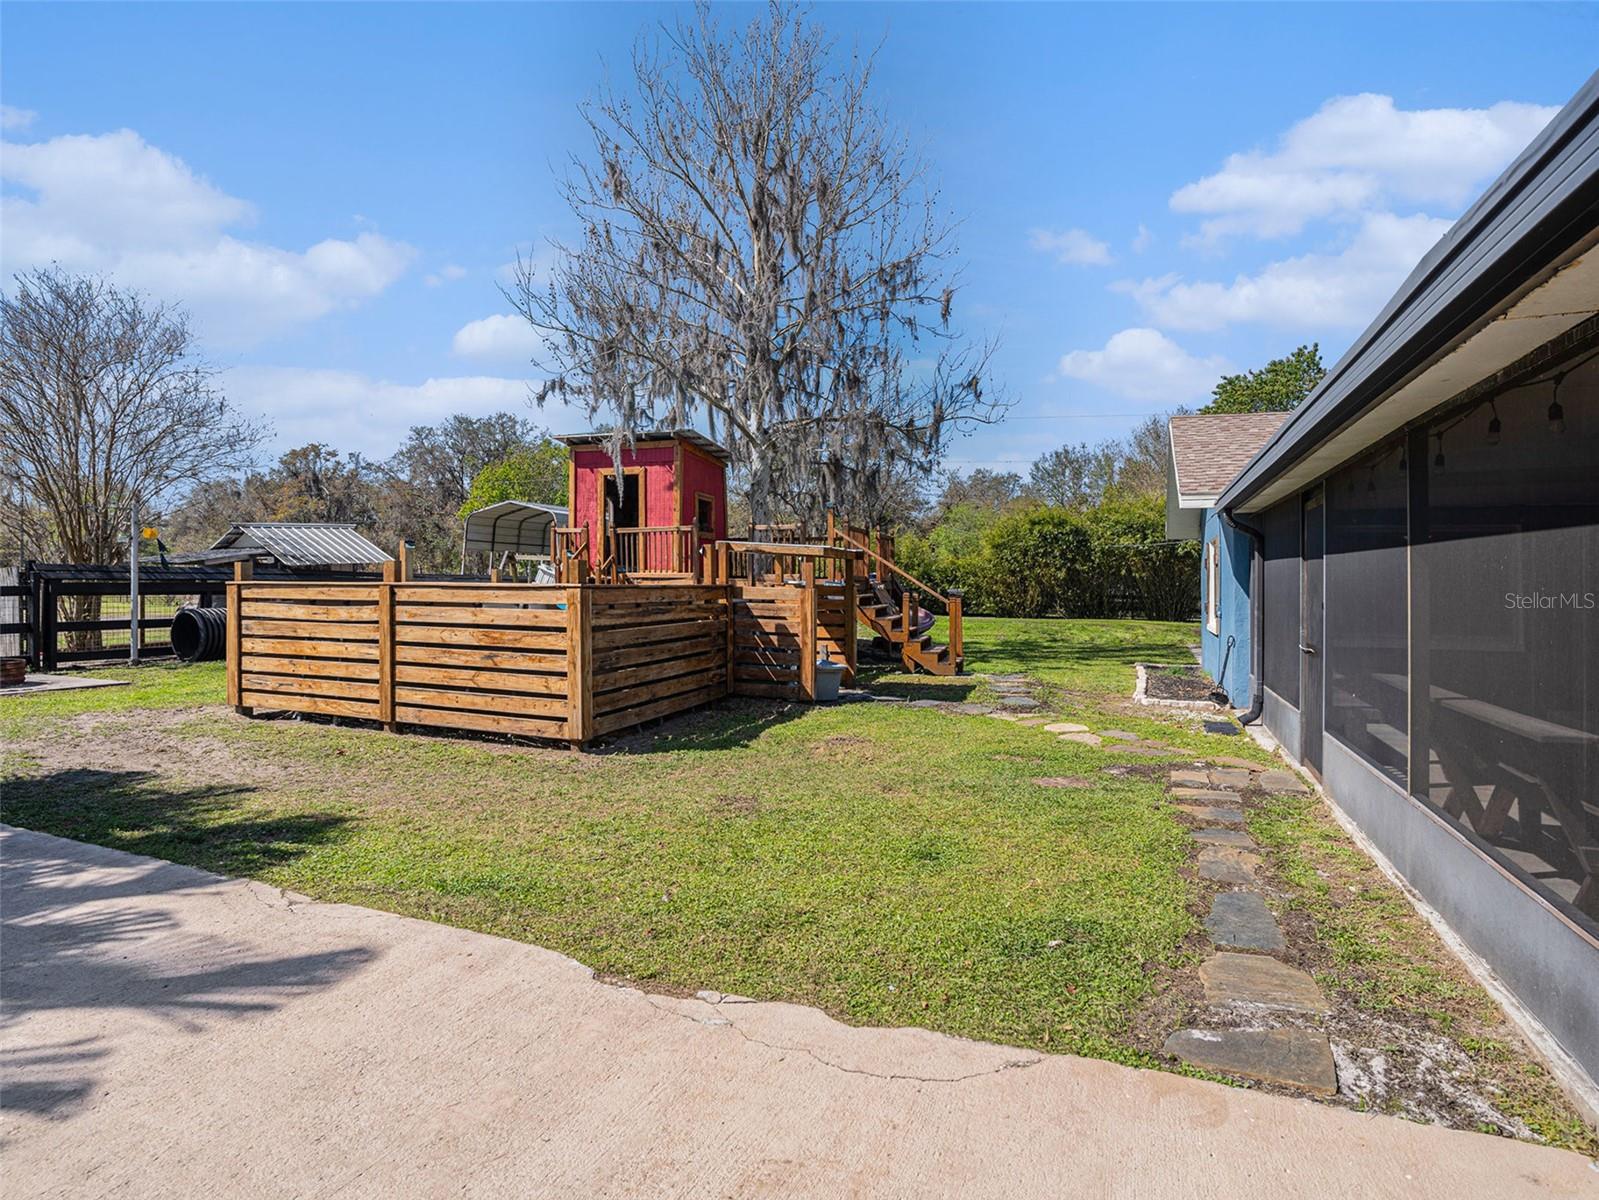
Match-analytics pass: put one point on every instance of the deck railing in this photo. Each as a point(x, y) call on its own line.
point(650, 550)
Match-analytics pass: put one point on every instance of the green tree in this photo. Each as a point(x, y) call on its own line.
point(1280, 386)
point(537, 474)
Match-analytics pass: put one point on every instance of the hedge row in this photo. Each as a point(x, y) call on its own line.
point(1108, 561)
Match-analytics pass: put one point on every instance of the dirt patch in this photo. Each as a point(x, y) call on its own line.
point(839, 744)
point(741, 806)
point(1063, 781)
point(1177, 683)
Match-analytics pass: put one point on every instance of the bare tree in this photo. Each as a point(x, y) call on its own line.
point(104, 403)
point(760, 247)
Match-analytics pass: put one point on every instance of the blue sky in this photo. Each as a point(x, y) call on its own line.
point(1149, 194)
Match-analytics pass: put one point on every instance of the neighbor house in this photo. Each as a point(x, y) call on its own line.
point(1207, 452)
point(1425, 537)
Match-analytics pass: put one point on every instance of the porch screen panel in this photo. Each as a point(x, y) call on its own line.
point(1280, 587)
point(1367, 615)
point(1509, 573)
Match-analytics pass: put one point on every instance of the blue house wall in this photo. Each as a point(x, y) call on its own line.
point(1226, 654)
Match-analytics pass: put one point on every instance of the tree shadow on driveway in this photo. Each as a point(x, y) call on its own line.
point(90, 933)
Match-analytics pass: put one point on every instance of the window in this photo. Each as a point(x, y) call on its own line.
point(1507, 628)
point(1213, 585)
point(1366, 613)
point(705, 514)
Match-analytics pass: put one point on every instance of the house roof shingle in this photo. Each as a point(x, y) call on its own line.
point(1209, 449)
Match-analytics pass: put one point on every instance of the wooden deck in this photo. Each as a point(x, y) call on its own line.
point(568, 662)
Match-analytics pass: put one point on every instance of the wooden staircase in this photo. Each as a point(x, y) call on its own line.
point(899, 621)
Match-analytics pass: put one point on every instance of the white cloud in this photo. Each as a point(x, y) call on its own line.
point(448, 273)
point(1145, 365)
point(354, 412)
point(500, 338)
point(1310, 291)
point(1358, 153)
point(115, 204)
point(16, 118)
point(1142, 240)
point(1073, 247)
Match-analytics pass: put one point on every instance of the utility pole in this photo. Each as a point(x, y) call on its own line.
point(133, 580)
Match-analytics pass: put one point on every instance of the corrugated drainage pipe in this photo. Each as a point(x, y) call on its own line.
point(199, 634)
point(1257, 553)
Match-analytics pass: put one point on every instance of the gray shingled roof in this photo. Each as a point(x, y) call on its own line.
point(1209, 449)
point(302, 543)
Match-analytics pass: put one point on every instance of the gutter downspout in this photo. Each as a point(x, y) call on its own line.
point(1257, 553)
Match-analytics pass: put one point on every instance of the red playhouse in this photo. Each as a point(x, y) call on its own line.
point(650, 515)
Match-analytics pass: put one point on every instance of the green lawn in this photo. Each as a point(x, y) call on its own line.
point(1083, 656)
point(890, 864)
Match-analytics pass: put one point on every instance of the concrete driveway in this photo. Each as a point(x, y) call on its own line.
point(172, 1033)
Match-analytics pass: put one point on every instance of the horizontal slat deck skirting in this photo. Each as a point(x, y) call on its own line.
point(263, 664)
point(572, 662)
point(494, 658)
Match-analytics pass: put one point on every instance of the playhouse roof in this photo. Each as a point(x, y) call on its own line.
point(692, 436)
point(517, 526)
point(301, 543)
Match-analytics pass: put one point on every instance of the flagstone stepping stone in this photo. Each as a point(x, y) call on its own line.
point(1025, 703)
point(1190, 778)
point(1086, 739)
point(973, 710)
point(1230, 978)
point(1205, 795)
point(1225, 837)
point(1121, 735)
point(1064, 727)
point(1233, 778)
point(1222, 760)
point(1203, 812)
point(1282, 781)
point(1227, 864)
point(927, 704)
point(1063, 781)
point(1143, 751)
point(1006, 716)
point(1032, 722)
point(1297, 1058)
point(1242, 920)
point(1224, 728)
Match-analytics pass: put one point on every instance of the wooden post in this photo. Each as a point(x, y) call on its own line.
point(242, 572)
point(907, 605)
point(724, 563)
point(579, 665)
point(956, 633)
point(404, 575)
point(851, 621)
point(808, 630)
point(391, 571)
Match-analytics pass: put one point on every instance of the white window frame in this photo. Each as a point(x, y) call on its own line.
point(1213, 586)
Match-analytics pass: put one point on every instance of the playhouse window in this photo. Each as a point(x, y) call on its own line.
point(1213, 585)
point(704, 514)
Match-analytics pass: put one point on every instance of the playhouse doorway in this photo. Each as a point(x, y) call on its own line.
point(622, 507)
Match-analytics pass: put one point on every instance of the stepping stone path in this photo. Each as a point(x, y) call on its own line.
point(1242, 976)
point(1291, 1057)
point(1242, 921)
